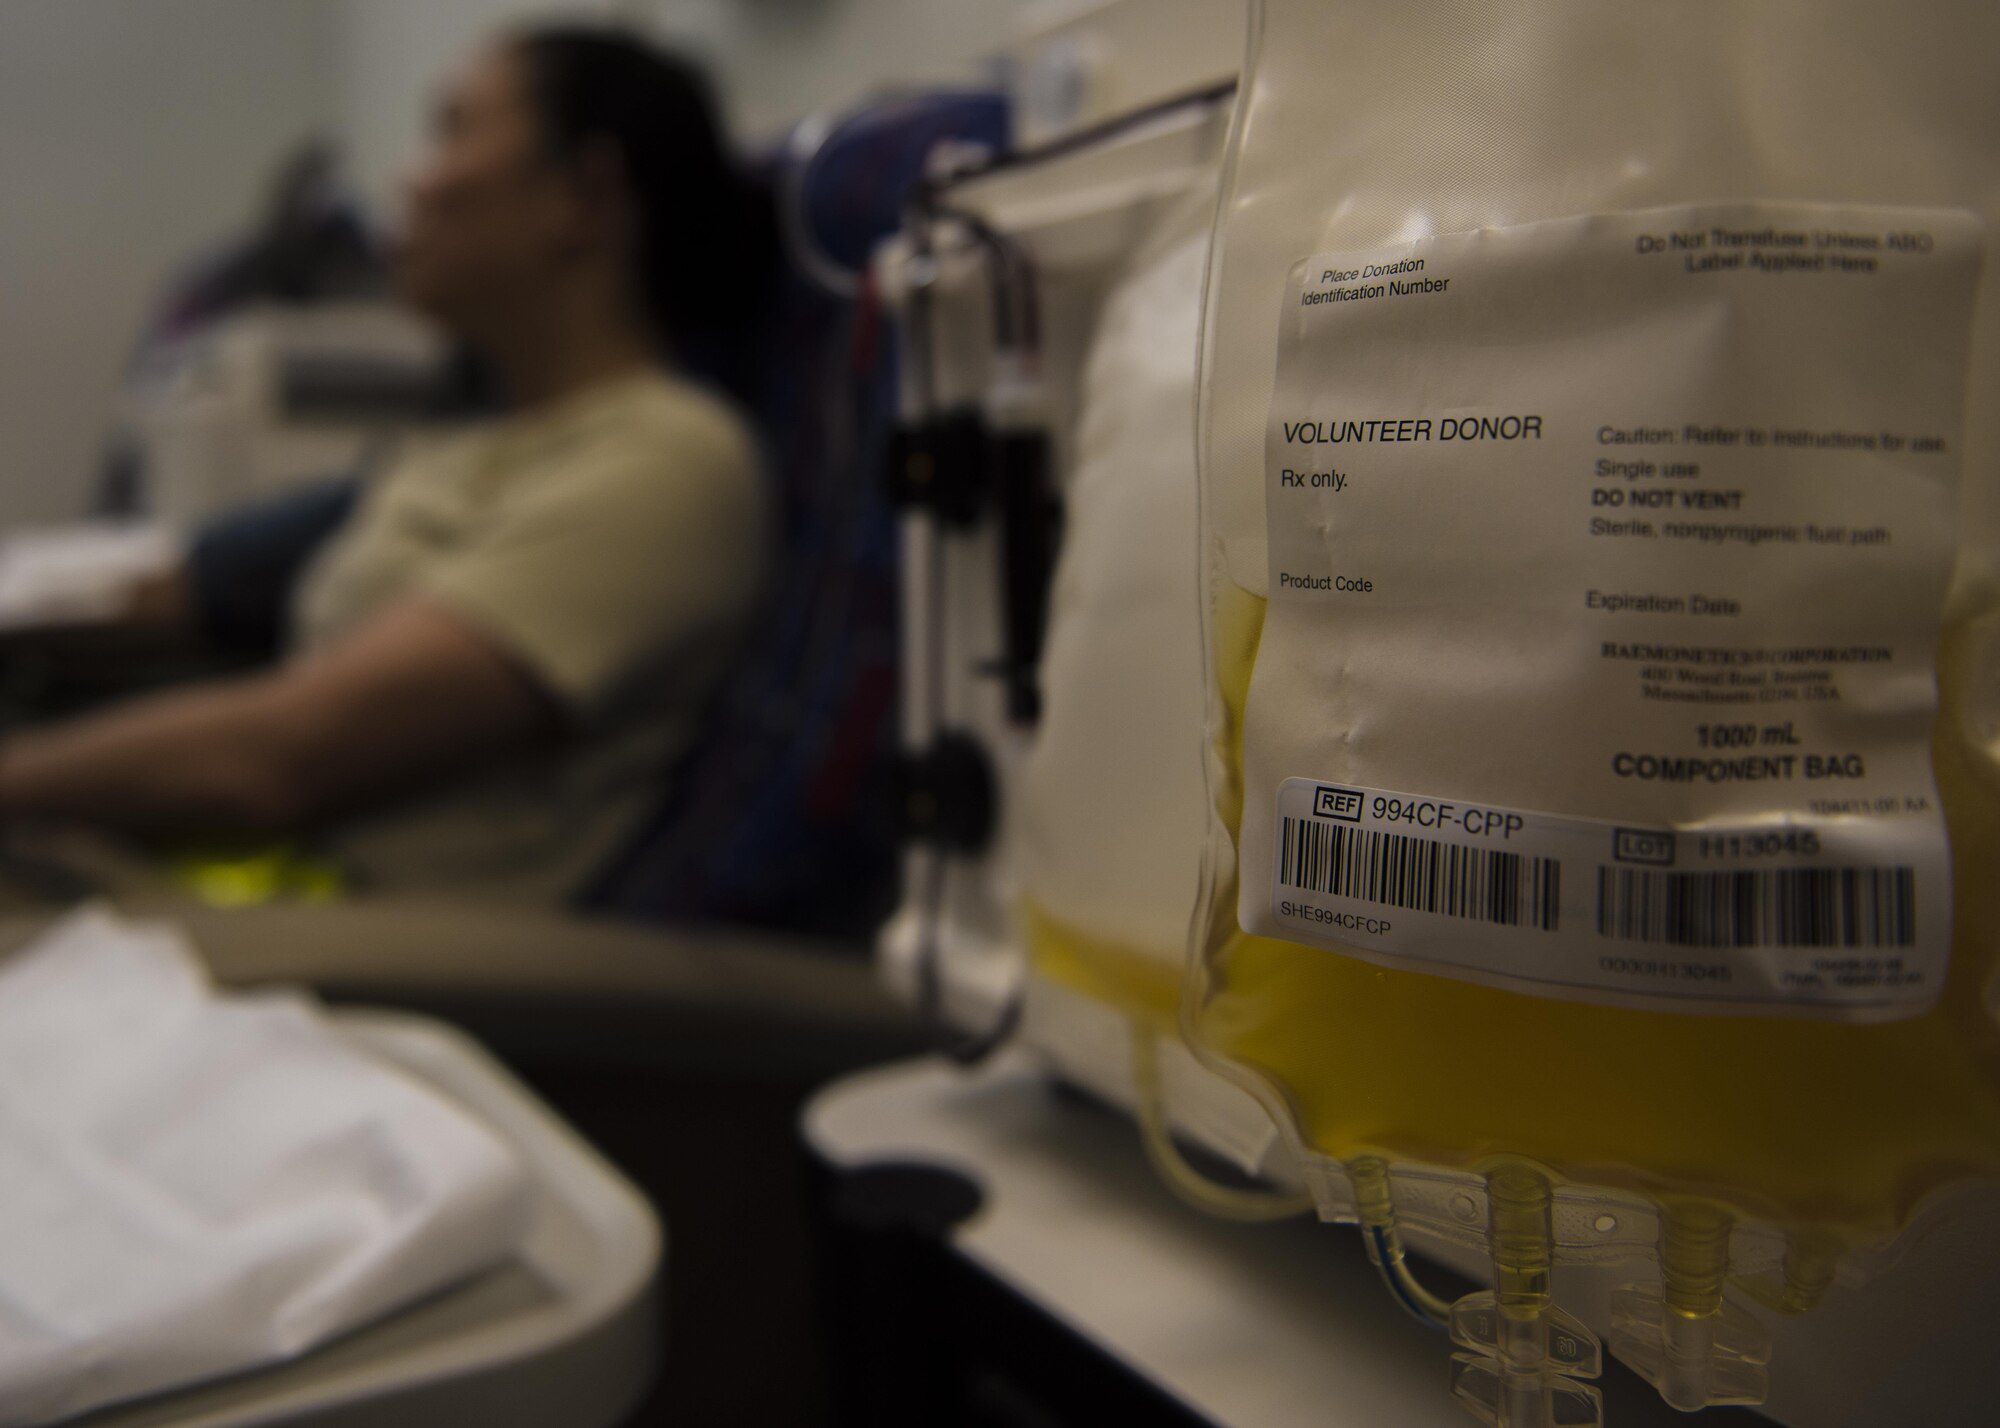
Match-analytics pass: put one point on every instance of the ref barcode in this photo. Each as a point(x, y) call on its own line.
point(1422, 874)
point(1773, 907)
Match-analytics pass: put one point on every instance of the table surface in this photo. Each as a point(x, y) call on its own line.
point(1253, 1326)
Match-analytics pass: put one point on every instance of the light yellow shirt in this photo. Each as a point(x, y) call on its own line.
point(614, 545)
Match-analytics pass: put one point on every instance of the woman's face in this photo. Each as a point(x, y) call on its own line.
point(489, 214)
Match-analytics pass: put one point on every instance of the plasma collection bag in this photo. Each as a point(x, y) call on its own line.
point(1600, 513)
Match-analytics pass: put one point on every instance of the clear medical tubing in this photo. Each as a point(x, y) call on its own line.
point(1718, 1155)
point(1197, 1187)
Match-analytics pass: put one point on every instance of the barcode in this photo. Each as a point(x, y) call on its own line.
point(1775, 907)
point(1422, 874)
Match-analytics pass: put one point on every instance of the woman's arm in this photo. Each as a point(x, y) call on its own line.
point(413, 698)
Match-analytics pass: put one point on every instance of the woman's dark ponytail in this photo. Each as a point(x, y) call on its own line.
point(708, 240)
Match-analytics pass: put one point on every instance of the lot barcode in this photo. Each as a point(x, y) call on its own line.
point(1422, 874)
point(1773, 907)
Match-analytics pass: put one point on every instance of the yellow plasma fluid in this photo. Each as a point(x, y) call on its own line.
point(1147, 989)
point(1830, 1130)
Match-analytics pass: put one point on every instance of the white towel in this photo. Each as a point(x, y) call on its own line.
point(193, 1184)
point(80, 572)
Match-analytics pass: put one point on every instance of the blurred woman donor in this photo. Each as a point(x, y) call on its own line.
point(495, 661)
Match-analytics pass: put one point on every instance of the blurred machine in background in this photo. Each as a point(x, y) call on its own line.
point(277, 358)
point(269, 398)
point(274, 363)
point(1052, 787)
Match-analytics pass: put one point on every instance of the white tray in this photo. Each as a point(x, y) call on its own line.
point(565, 1334)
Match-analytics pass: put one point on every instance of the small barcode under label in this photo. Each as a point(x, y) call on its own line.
point(1421, 874)
point(1775, 907)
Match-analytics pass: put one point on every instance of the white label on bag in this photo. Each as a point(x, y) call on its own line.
point(1823, 913)
point(1644, 519)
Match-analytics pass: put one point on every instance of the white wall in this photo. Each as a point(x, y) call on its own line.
point(132, 133)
